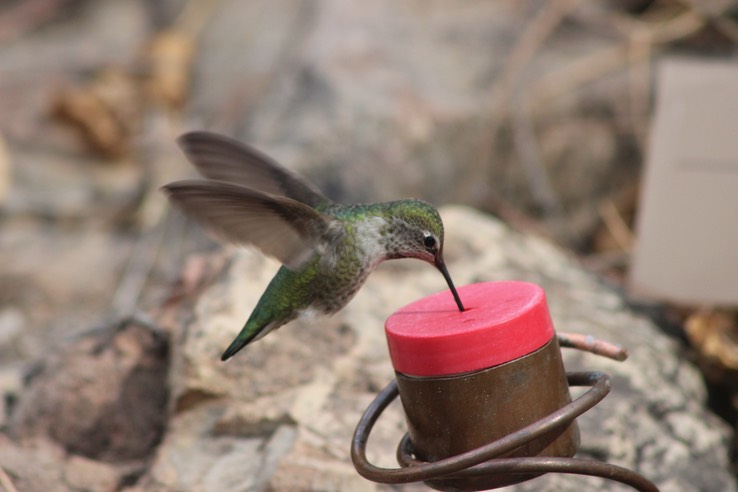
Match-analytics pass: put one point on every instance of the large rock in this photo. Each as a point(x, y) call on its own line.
point(102, 397)
point(91, 414)
point(280, 415)
point(350, 91)
point(40, 464)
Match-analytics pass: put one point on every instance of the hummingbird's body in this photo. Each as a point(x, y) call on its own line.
point(328, 249)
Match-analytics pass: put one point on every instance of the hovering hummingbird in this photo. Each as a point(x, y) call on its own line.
point(327, 249)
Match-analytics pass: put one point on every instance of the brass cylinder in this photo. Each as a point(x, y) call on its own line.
point(450, 415)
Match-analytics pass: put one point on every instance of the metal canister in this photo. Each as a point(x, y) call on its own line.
point(469, 378)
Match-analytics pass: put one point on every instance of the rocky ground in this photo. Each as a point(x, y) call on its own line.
point(113, 310)
point(160, 408)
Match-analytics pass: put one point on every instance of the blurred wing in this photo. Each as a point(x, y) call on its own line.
point(280, 227)
point(224, 159)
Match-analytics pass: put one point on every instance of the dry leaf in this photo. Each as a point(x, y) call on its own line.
point(168, 61)
point(5, 171)
point(714, 333)
point(106, 111)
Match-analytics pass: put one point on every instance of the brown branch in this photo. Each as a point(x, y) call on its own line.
point(616, 225)
point(529, 43)
point(6, 482)
point(595, 65)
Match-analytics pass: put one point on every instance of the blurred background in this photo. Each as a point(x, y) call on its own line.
point(537, 112)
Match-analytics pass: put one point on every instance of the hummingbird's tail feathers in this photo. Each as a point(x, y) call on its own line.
point(234, 347)
point(247, 335)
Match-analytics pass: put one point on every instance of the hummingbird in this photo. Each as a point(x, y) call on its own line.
point(327, 249)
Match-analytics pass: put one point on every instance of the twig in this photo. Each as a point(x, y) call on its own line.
point(720, 18)
point(727, 26)
point(194, 16)
point(138, 269)
point(529, 43)
point(246, 98)
point(590, 344)
point(6, 482)
point(643, 40)
point(587, 68)
point(616, 225)
point(539, 183)
point(595, 65)
point(639, 87)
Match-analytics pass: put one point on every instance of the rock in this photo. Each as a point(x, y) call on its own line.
point(86, 474)
point(103, 397)
point(349, 92)
point(39, 464)
point(61, 281)
point(280, 415)
point(12, 322)
point(192, 457)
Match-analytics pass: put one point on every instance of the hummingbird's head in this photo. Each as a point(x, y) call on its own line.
point(416, 231)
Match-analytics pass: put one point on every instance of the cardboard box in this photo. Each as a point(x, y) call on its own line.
point(687, 226)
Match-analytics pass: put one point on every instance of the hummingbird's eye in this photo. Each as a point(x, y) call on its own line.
point(429, 241)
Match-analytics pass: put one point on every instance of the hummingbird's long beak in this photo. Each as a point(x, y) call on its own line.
point(442, 267)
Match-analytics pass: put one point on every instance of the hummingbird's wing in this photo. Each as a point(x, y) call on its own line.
point(224, 159)
point(279, 226)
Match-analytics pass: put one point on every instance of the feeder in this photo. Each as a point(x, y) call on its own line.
point(485, 394)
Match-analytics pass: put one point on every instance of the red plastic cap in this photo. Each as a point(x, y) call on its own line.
point(502, 322)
